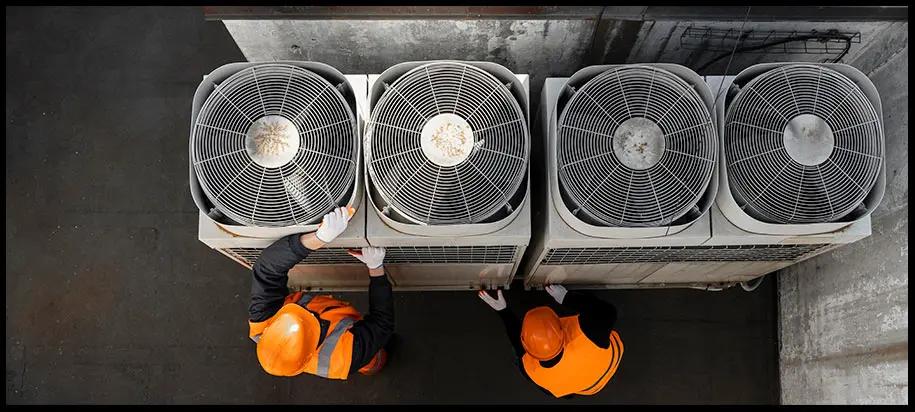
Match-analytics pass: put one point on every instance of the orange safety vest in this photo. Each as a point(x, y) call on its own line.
point(584, 368)
point(333, 357)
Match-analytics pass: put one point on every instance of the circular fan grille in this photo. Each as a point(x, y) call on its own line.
point(447, 143)
point(803, 145)
point(636, 147)
point(275, 145)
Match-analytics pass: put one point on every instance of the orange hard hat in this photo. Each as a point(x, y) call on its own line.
point(541, 333)
point(289, 342)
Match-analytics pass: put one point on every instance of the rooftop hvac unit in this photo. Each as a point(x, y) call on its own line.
point(803, 149)
point(802, 167)
point(273, 147)
point(446, 154)
point(631, 154)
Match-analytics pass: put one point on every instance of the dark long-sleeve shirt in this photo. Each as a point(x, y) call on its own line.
point(595, 317)
point(269, 289)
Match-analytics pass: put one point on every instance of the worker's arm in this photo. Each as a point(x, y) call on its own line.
point(509, 319)
point(268, 289)
point(271, 271)
point(375, 329)
point(513, 328)
point(595, 316)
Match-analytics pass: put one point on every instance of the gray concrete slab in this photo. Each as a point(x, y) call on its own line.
point(664, 42)
point(110, 298)
point(844, 315)
point(539, 48)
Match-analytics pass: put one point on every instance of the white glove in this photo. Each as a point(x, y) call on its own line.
point(372, 256)
point(334, 224)
point(497, 304)
point(558, 292)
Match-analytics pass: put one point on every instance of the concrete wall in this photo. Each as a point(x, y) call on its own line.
point(661, 41)
point(844, 315)
point(539, 48)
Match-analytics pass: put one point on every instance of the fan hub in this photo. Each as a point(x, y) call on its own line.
point(446, 139)
point(638, 143)
point(272, 141)
point(785, 163)
point(808, 139)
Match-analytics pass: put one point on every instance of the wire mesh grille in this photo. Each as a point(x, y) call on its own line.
point(320, 256)
point(819, 181)
point(400, 254)
point(470, 191)
point(740, 253)
point(450, 254)
point(318, 173)
point(600, 182)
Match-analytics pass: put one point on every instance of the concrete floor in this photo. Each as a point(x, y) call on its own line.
point(110, 298)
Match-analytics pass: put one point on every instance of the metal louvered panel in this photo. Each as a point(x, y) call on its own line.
point(741, 253)
point(399, 254)
point(275, 145)
point(450, 254)
point(447, 144)
point(636, 147)
point(320, 256)
point(803, 145)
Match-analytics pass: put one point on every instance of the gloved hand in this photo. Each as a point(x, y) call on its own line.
point(558, 292)
point(334, 224)
point(497, 304)
point(372, 256)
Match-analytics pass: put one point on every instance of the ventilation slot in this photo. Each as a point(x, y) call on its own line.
point(742, 253)
point(317, 257)
point(450, 254)
point(398, 254)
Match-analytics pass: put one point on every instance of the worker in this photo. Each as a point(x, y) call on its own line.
point(318, 334)
point(569, 355)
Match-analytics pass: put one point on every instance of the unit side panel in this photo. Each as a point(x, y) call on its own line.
point(329, 277)
point(451, 276)
point(612, 273)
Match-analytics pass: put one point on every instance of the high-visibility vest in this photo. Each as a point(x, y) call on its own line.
point(584, 368)
point(333, 357)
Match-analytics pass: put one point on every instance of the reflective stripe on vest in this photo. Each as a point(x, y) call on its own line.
point(617, 345)
point(584, 367)
point(330, 343)
point(303, 302)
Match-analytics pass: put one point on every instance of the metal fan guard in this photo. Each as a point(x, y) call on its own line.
point(803, 145)
point(636, 147)
point(258, 171)
point(447, 144)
